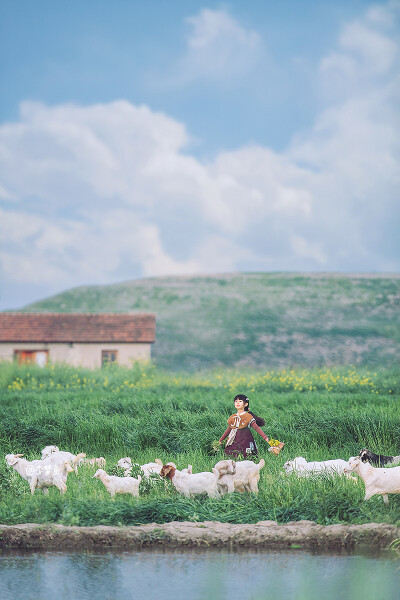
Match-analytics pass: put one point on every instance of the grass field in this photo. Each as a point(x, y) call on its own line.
point(146, 413)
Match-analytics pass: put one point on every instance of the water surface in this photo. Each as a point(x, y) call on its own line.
point(202, 575)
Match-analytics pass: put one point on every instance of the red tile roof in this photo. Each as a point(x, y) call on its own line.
point(73, 327)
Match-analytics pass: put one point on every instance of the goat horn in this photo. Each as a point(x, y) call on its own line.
point(18, 455)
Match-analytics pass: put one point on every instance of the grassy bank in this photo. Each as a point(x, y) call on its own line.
point(146, 413)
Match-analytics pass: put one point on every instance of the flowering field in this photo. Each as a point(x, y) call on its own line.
point(146, 413)
point(117, 380)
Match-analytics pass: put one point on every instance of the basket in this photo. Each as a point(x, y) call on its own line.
point(276, 449)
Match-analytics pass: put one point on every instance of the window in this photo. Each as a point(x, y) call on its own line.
point(31, 357)
point(108, 357)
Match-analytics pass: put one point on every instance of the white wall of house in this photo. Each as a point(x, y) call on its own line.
point(81, 355)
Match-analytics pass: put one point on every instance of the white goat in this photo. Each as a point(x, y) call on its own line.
point(147, 469)
point(377, 481)
point(119, 485)
point(190, 484)
point(41, 474)
point(126, 464)
point(301, 467)
point(101, 461)
point(49, 450)
point(241, 476)
point(60, 456)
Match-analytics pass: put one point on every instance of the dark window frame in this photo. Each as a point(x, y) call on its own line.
point(109, 357)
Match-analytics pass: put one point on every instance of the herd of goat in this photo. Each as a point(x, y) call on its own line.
point(376, 470)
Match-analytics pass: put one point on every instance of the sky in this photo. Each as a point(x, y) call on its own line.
point(142, 139)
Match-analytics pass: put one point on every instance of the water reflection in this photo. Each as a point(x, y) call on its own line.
point(211, 575)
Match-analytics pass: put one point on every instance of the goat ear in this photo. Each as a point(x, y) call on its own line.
point(190, 469)
point(18, 455)
point(159, 462)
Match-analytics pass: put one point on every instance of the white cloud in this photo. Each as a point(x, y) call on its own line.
point(39, 249)
point(93, 150)
point(109, 191)
point(354, 146)
point(218, 49)
point(367, 52)
point(303, 248)
point(5, 195)
point(385, 14)
point(366, 49)
point(269, 183)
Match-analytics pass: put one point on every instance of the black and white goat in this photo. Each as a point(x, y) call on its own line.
point(378, 459)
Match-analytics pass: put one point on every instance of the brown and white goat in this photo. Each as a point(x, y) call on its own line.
point(190, 484)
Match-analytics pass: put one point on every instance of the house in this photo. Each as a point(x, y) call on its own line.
point(88, 340)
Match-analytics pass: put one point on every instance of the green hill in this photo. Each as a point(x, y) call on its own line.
point(254, 320)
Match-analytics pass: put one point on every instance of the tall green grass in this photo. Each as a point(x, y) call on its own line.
point(145, 414)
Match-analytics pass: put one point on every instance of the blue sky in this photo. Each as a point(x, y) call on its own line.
point(158, 138)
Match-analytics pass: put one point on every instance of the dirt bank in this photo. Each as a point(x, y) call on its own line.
point(210, 534)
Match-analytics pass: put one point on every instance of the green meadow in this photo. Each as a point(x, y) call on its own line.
point(148, 413)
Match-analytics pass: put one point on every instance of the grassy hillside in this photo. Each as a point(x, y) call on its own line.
point(256, 320)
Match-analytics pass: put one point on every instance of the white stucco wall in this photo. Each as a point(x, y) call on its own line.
point(81, 355)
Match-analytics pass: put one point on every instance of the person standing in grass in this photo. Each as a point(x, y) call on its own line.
point(240, 438)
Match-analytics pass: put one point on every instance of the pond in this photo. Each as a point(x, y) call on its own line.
point(198, 575)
